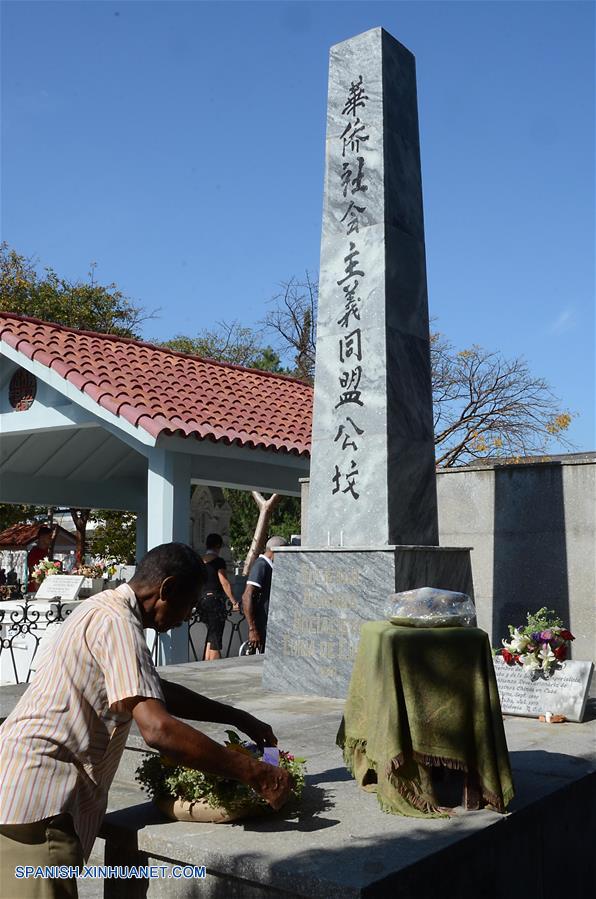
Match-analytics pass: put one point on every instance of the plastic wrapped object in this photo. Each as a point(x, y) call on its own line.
point(431, 607)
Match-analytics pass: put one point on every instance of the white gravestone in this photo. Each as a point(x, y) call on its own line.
point(63, 585)
point(565, 692)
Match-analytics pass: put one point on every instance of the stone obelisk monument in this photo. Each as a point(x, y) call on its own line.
point(372, 476)
point(372, 508)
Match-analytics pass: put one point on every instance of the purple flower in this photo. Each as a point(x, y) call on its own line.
point(535, 636)
point(271, 755)
point(545, 636)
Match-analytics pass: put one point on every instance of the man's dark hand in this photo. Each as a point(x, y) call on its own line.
point(260, 732)
point(254, 637)
point(274, 785)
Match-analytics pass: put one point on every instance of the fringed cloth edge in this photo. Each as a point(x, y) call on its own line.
point(349, 744)
point(431, 761)
point(441, 761)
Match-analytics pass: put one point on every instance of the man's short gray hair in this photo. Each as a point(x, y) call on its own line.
point(274, 542)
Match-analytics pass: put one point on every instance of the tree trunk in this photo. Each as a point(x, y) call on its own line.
point(80, 518)
point(266, 508)
point(53, 541)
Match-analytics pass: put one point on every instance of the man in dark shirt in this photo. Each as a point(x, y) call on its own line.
point(255, 599)
point(212, 604)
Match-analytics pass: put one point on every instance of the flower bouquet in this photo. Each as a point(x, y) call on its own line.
point(45, 568)
point(540, 646)
point(92, 570)
point(185, 794)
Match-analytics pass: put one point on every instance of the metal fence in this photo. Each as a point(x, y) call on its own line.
point(23, 628)
point(22, 631)
point(235, 622)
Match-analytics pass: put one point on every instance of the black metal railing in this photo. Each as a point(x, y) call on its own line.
point(233, 617)
point(27, 621)
point(30, 622)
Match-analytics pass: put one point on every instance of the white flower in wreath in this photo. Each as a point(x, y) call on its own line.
point(547, 657)
point(530, 662)
point(518, 643)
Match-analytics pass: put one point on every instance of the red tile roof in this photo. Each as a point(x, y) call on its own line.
point(163, 392)
point(24, 534)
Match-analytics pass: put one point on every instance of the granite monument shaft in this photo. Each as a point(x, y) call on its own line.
point(372, 479)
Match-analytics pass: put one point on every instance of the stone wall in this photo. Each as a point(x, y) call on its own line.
point(532, 527)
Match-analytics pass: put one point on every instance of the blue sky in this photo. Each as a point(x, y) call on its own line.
point(180, 145)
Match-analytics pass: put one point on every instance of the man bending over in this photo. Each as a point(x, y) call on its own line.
point(61, 745)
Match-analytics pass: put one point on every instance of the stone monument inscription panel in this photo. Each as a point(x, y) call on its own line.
point(320, 600)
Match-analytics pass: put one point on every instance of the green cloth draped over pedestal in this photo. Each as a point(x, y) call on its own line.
point(418, 698)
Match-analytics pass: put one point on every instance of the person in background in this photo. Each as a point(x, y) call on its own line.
point(38, 551)
point(61, 745)
point(255, 599)
point(212, 604)
point(70, 562)
point(12, 578)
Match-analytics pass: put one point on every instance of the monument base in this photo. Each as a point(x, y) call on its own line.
point(321, 597)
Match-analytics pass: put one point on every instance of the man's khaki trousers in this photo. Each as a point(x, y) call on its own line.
point(50, 842)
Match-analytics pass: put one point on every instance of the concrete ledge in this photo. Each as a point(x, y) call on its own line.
point(473, 859)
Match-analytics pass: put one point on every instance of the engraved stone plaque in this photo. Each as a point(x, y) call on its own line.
point(321, 599)
point(65, 586)
point(565, 692)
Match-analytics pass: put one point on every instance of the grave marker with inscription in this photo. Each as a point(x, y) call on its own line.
point(372, 519)
point(66, 586)
point(565, 692)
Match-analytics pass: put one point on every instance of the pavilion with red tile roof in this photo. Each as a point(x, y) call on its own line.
point(98, 421)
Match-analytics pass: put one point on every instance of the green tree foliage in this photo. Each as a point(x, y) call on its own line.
point(284, 522)
point(115, 535)
point(229, 342)
point(76, 304)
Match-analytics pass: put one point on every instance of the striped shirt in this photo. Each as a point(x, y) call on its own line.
point(62, 743)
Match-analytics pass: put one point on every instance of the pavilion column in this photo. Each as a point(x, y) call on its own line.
point(168, 498)
point(168, 520)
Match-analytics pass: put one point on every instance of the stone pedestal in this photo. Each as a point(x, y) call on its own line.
point(321, 597)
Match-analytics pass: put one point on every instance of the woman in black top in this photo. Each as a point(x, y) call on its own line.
point(212, 605)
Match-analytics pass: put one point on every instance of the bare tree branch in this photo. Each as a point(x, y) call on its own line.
point(293, 321)
point(484, 405)
point(266, 509)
